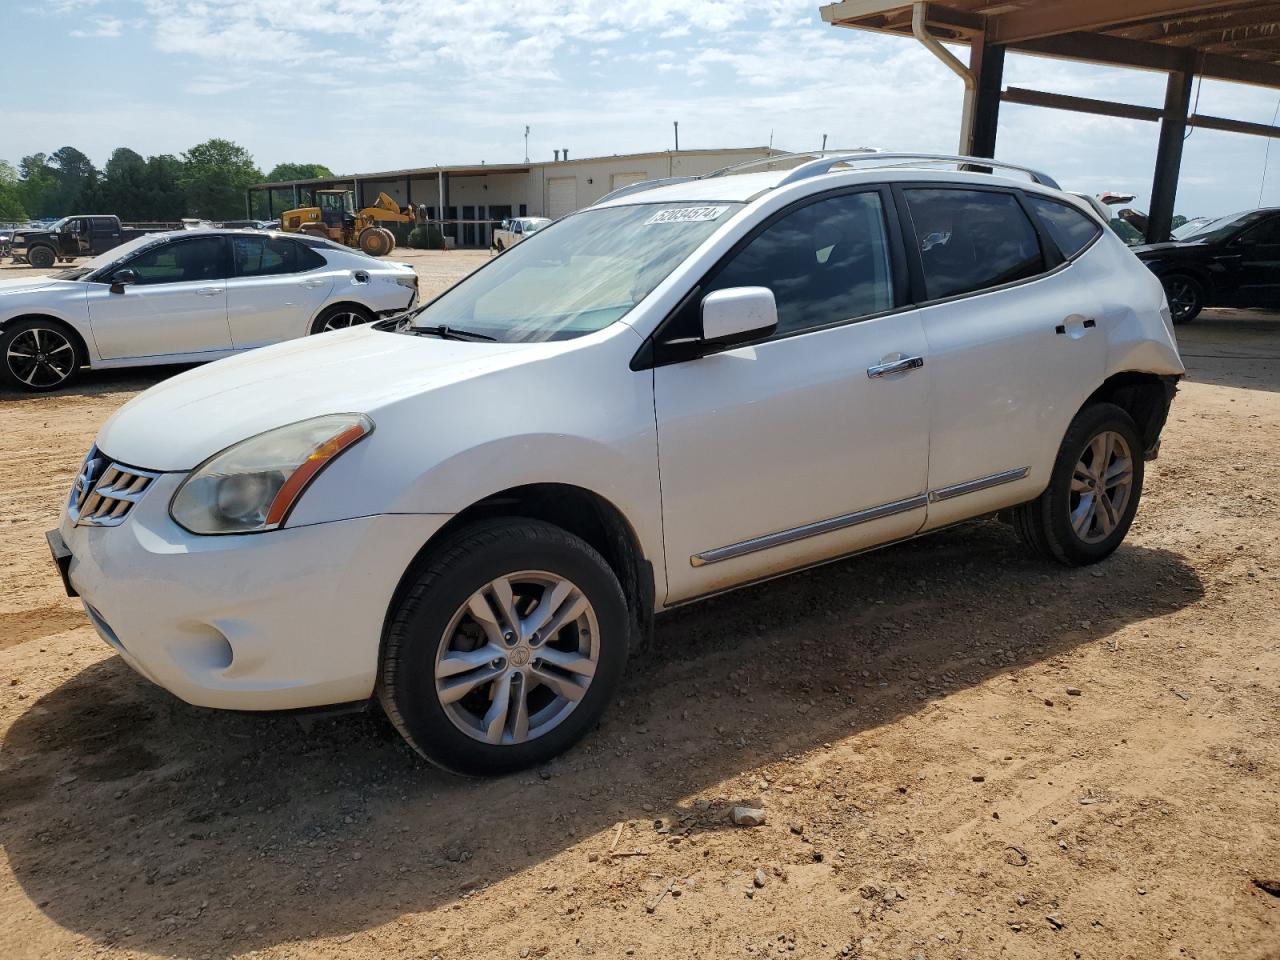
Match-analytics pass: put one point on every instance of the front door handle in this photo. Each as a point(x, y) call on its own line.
point(895, 366)
point(209, 291)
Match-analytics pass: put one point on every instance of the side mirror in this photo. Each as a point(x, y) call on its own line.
point(122, 278)
point(738, 314)
point(506, 225)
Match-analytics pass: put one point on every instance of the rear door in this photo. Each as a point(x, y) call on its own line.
point(104, 233)
point(277, 288)
point(177, 305)
point(1014, 339)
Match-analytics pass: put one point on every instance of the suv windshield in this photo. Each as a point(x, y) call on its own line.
point(577, 275)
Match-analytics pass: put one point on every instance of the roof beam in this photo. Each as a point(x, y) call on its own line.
point(1233, 126)
point(1087, 15)
point(1058, 101)
point(1190, 29)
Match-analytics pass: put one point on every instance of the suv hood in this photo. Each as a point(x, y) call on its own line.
point(183, 421)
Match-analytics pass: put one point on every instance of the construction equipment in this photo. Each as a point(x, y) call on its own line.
point(336, 218)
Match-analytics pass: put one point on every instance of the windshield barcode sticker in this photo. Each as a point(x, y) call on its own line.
point(686, 215)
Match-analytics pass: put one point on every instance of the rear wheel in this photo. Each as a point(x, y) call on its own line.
point(505, 649)
point(1094, 491)
point(42, 258)
point(1185, 295)
point(390, 239)
point(38, 356)
point(340, 316)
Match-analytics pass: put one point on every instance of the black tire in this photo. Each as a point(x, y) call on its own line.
point(1185, 295)
point(41, 257)
point(1045, 524)
point(436, 593)
point(54, 351)
point(340, 316)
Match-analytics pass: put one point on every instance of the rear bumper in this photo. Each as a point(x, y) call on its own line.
point(274, 621)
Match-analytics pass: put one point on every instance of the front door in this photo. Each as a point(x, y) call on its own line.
point(807, 445)
point(176, 305)
point(1258, 250)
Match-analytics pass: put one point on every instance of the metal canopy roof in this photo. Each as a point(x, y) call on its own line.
point(1235, 40)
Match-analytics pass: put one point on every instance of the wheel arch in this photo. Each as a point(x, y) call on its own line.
point(81, 344)
point(577, 510)
point(1146, 397)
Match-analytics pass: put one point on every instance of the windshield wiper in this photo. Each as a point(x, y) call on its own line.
point(445, 332)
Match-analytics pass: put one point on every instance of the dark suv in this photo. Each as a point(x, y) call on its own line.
point(1230, 262)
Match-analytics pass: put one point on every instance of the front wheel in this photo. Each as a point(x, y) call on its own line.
point(42, 258)
point(1093, 493)
point(1185, 295)
point(505, 648)
point(38, 356)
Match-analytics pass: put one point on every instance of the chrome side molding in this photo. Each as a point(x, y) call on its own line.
point(973, 486)
point(844, 521)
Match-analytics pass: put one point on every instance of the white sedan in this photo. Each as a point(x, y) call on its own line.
point(187, 297)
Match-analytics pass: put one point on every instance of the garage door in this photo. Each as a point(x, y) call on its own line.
point(562, 196)
point(626, 179)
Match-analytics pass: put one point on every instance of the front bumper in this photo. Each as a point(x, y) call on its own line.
point(272, 621)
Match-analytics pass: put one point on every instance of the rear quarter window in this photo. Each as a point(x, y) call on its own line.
point(1069, 229)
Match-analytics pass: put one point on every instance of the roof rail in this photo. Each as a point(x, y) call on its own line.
point(774, 158)
point(823, 164)
point(641, 185)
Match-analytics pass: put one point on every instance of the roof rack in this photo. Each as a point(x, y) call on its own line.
point(823, 164)
point(782, 157)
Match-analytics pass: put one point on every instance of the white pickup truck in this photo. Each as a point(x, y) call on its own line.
point(513, 231)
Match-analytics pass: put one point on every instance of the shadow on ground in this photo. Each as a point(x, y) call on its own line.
point(1233, 348)
point(135, 820)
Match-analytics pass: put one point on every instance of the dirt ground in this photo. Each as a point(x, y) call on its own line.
point(961, 752)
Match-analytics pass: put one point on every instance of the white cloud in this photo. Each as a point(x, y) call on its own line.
point(102, 27)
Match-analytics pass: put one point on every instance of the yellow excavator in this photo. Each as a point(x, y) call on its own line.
point(336, 218)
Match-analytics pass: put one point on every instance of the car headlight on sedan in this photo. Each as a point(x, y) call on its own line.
point(251, 486)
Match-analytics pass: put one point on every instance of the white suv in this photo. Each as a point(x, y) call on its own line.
point(471, 513)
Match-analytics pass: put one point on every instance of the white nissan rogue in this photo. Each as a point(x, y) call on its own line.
point(471, 512)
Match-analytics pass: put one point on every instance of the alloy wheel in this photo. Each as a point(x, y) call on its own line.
point(1101, 486)
point(342, 320)
point(41, 357)
point(1182, 297)
point(517, 657)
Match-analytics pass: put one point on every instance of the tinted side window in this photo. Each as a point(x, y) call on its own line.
point(102, 226)
point(266, 256)
point(970, 240)
point(1069, 229)
point(826, 262)
point(180, 261)
point(1266, 232)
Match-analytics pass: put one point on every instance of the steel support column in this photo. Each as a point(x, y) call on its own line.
point(986, 61)
point(1173, 130)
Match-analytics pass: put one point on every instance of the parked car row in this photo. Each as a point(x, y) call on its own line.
point(186, 297)
point(471, 512)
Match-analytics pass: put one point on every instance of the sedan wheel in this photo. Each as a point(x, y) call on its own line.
point(517, 657)
point(340, 317)
point(38, 357)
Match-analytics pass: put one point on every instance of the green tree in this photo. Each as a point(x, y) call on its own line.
point(215, 176)
point(123, 188)
point(75, 177)
point(37, 186)
point(298, 171)
point(11, 207)
point(166, 197)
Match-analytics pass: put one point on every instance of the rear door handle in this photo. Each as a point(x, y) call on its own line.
point(895, 366)
point(209, 291)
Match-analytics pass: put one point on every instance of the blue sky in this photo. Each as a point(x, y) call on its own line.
point(363, 85)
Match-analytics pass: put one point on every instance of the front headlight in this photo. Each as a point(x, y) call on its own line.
point(252, 485)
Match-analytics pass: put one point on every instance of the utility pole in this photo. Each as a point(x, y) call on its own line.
point(676, 124)
point(526, 143)
point(824, 143)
